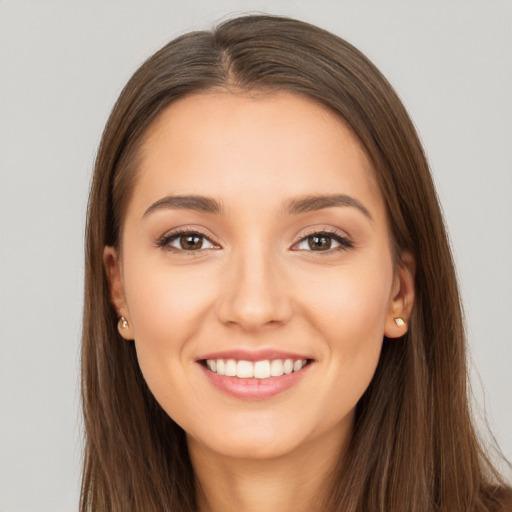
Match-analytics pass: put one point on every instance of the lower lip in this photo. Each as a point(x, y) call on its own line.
point(255, 389)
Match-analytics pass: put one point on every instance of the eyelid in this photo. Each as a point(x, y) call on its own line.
point(342, 238)
point(163, 241)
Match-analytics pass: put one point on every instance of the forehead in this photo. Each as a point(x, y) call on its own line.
point(265, 146)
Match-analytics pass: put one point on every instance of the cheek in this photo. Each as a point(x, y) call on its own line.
point(164, 301)
point(351, 303)
point(166, 307)
point(350, 309)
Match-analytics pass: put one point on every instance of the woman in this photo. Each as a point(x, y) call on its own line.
point(272, 320)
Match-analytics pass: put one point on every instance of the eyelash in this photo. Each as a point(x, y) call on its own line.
point(344, 242)
point(164, 243)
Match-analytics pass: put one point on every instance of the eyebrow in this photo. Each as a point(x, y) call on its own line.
point(294, 207)
point(319, 202)
point(196, 203)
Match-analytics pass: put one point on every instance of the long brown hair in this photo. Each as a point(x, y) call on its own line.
point(414, 447)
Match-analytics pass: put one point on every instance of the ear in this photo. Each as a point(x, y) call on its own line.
point(113, 269)
point(401, 298)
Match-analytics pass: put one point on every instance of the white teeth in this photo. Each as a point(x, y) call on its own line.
point(276, 368)
point(244, 370)
point(262, 369)
point(230, 368)
point(258, 369)
point(297, 365)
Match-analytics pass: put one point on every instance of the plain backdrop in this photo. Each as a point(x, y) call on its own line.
point(62, 65)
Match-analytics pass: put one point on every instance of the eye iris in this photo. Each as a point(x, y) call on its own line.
point(191, 242)
point(319, 242)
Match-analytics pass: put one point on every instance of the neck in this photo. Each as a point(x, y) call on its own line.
point(292, 482)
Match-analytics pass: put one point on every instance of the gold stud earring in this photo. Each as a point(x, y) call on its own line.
point(123, 323)
point(399, 321)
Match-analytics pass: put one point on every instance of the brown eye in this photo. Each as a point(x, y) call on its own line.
point(319, 242)
point(191, 242)
point(324, 241)
point(186, 241)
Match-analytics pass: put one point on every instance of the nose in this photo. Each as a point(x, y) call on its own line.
point(254, 293)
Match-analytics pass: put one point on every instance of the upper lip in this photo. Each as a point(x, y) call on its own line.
point(253, 355)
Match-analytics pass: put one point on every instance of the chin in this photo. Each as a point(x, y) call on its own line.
point(245, 449)
point(255, 440)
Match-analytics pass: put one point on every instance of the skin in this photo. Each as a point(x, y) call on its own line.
point(257, 284)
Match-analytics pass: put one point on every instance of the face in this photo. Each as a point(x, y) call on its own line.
point(255, 272)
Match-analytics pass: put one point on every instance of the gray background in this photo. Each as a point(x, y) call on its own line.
point(62, 64)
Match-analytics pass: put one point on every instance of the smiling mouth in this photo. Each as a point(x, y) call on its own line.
point(264, 369)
